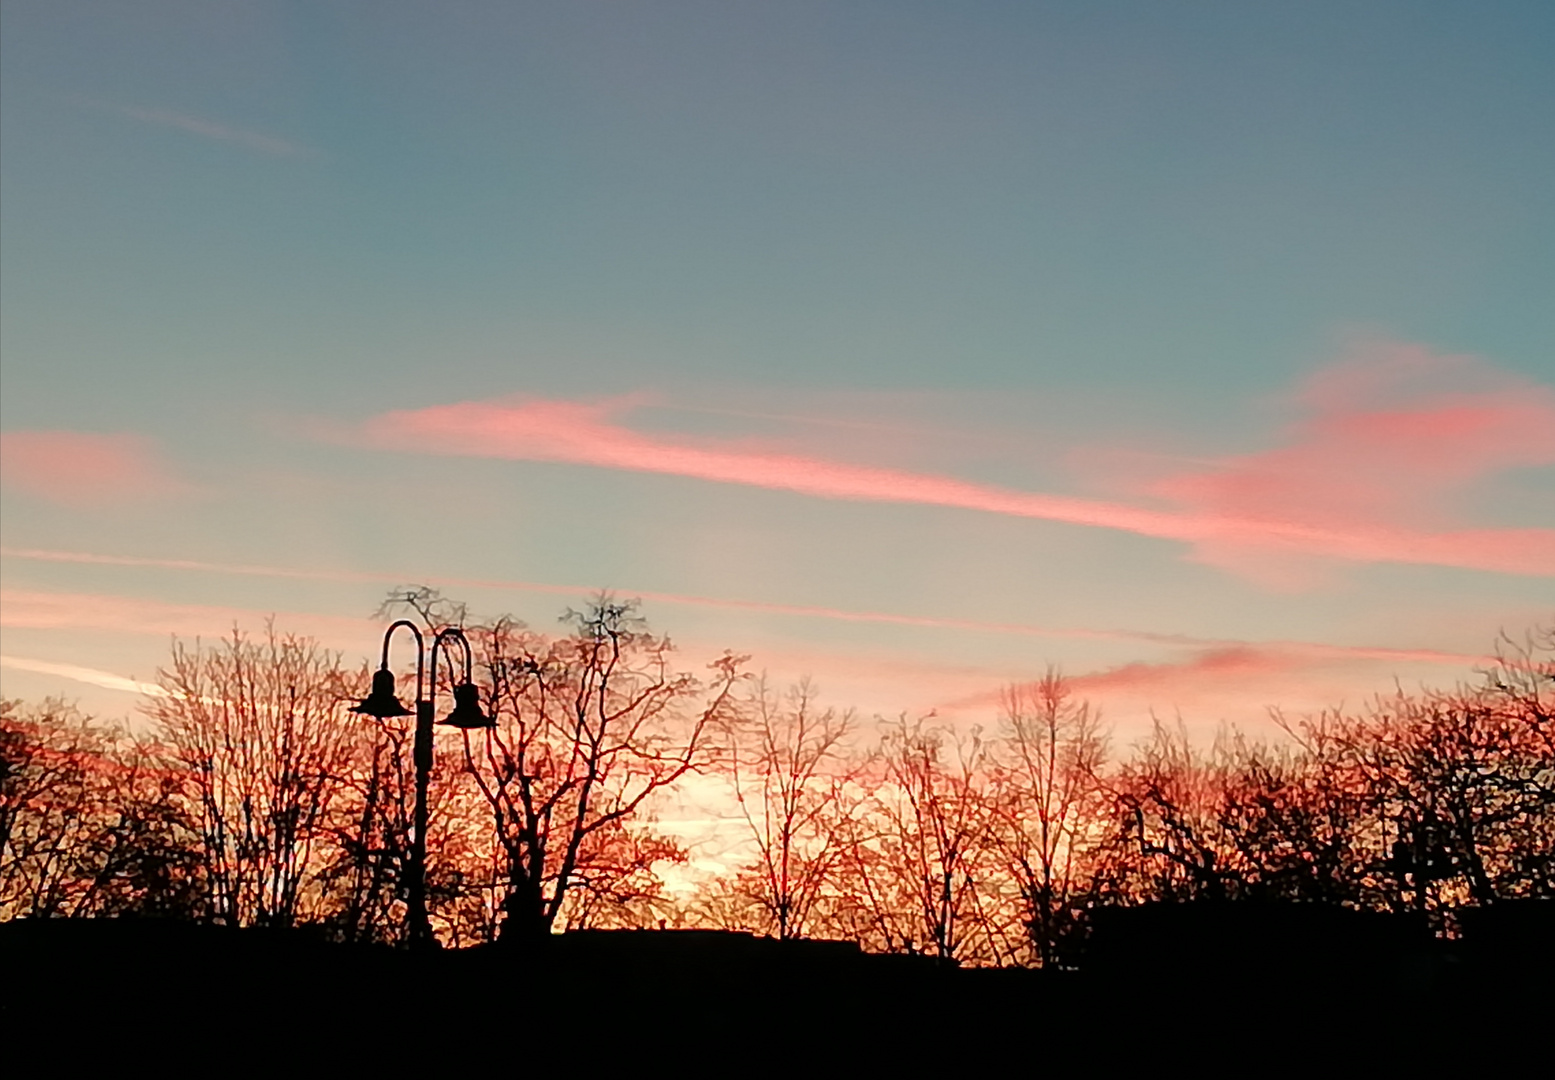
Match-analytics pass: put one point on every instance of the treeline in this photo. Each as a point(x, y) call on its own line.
point(252, 797)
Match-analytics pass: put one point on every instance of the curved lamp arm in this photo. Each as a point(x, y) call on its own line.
point(455, 634)
point(467, 712)
point(420, 651)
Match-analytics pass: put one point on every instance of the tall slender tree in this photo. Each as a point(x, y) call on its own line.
point(1048, 808)
point(796, 783)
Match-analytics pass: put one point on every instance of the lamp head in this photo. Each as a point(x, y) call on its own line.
point(382, 702)
point(467, 709)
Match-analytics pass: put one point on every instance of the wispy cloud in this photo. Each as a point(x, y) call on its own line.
point(80, 468)
point(32, 609)
point(41, 608)
point(1239, 666)
point(105, 679)
point(1241, 682)
point(1217, 667)
point(1315, 497)
point(76, 673)
point(209, 129)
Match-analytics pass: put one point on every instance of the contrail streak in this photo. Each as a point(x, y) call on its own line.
point(76, 673)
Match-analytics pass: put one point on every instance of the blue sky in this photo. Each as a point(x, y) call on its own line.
point(1117, 252)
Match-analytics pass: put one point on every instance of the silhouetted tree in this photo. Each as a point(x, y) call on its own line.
point(51, 806)
point(370, 827)
point(1048, 803)
point(1169, 839)
point(1460, 784)
point(89, 820)
point(1426, 800)
point(256, 799)
point(260, 732)
point(1297, 819)
point(916, 862)
point(591, 727)
point(797, 786)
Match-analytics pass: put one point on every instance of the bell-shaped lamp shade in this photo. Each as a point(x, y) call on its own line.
point(467, 709)
point(382, 702)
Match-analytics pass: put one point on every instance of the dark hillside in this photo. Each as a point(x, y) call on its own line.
point(1158, 979)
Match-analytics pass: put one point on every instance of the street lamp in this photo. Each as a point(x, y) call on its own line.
point(384, 704)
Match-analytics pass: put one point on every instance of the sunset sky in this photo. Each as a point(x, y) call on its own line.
point(1203, 350)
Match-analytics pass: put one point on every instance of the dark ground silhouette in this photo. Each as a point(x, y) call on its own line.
point(1199, 984)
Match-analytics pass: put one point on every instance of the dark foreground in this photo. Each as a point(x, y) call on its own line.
point(1209, 989)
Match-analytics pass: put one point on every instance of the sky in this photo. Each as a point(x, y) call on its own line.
point(1203, 351)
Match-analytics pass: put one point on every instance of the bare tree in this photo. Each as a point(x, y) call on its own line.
point(364, 874)
point(916, 864)
point(797, 787)
point(260, 801)
point(1048, 808)
point(51, 805)
point(1426, 800)
point(1304, 824)
point(591, 726)
point(259, 729)
point(1168, 839)
point(1462, 785)
point(89, 820)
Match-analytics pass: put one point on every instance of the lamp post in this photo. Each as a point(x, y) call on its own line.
point(384, 704)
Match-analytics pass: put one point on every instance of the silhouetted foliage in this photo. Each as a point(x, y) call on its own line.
point(91, 820)
point(548, 822)
point(254, 799)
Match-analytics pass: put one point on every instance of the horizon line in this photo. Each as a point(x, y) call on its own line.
point(931, 622)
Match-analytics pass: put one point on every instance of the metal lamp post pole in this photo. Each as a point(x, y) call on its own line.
point(383, 703)
point(418, 926)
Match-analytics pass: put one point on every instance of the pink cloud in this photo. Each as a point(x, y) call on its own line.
point(1234, 681)
point(1233, 664)
point(1387, 443)
point(1249, 665)
point(1240, 682)
point(77, 468)
point(1351, 486)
